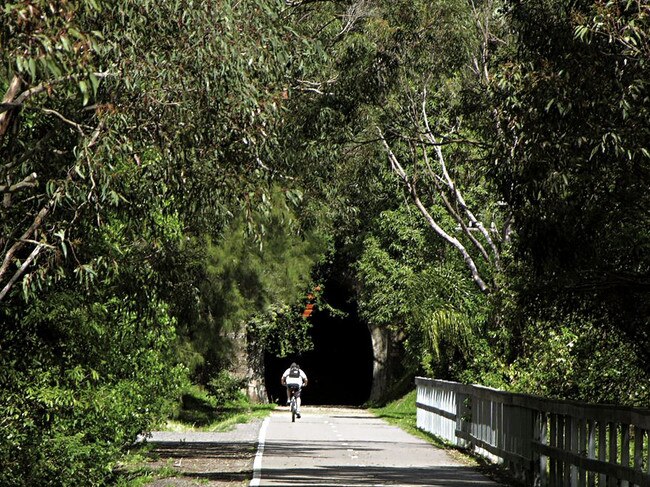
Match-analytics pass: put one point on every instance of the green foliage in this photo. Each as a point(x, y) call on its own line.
point(174, 171)
point(571, 160)
point(140, 131)
point(198, 410)
point(407, 289)
point(254, 278)
point(541, 112)
point(579, 361)
point(225, 388)
point(80, 381)
point(379, 65)
point(280, 331)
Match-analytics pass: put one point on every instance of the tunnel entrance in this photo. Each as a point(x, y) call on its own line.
point(339, 367)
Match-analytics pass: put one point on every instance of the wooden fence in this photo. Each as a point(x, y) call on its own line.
point(542, 442)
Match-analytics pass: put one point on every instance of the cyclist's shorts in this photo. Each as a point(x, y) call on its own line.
point(295, 388)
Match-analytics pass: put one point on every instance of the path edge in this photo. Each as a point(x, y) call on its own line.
point(257, 464)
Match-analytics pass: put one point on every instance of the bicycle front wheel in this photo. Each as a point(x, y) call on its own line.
point(294, 408)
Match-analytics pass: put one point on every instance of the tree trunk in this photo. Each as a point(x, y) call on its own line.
point(379, 361)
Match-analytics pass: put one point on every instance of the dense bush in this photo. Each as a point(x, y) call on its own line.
point(79, 381)
point(225, 387)
point(580, 361)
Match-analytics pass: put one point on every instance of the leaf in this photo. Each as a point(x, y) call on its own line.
point(83, 87)
point(549, 104)
point(94, 82)
point(75, 33)
point(66, 43)
point(32, 69)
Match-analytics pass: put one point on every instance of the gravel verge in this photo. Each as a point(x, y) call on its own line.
point(214, 459)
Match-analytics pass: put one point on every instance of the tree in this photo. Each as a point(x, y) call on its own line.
point(127, 130)
point(571, 159)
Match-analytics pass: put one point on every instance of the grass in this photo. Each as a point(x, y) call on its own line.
point(199, 412)
point(403, 413)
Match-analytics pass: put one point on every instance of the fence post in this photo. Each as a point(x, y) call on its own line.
point(613, 451)
point(463, 417)
point(540, 478)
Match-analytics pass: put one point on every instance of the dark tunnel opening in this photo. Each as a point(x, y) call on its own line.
point(339, 367)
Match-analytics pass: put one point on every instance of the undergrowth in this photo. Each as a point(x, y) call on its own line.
point(196, 411)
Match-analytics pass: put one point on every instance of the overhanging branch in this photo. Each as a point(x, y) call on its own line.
point(399, 170)
point(454, 190)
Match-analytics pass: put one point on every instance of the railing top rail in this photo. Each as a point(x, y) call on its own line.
point(597, 412)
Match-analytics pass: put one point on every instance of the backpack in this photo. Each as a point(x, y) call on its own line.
point(294, 371)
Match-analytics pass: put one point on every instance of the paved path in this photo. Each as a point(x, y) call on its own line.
point(351, 447)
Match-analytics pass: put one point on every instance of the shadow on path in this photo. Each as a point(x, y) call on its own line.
point(374, 475)
point(201, 463)
point(203, 450)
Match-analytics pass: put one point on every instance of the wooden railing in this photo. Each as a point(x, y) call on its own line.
point(542, 442)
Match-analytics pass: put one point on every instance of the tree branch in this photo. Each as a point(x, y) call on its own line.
point(452, 211)
point(29, 182)
point(69, 122)
point(454, 190)
point(399, 170)
point(21, 270)
point(13, 101)
point(26, 238)
point(355, 12)
point(20, 243)
point(14, 87)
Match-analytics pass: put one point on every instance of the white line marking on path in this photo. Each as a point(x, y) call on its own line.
point(257, 464)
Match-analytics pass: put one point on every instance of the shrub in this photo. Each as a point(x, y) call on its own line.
point(226, 388)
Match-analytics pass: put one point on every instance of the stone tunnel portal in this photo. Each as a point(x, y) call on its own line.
point(340, 366)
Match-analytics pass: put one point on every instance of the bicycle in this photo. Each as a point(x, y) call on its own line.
point(293, 404)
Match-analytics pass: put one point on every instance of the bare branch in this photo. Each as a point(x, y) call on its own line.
point(9, 102)
point(26, 237)
point(29, 182)
point(453, 189)
point(95, 135)
point(20, 243)
point(314, 86)
point(20, 271)
point(452, 211)
point(355, 12)
point(14, 87)
point(399, 170)
point(297, 3)
point(69, 122)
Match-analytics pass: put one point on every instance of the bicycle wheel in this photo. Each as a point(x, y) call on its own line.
point(293, 409)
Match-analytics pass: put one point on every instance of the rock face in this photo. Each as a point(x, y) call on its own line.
point(385, 363)
point(256, 391)
point(248, 363)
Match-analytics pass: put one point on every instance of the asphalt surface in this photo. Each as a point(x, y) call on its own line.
point(338, 446)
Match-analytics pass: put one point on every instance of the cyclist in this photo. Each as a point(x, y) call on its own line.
point(295, 379)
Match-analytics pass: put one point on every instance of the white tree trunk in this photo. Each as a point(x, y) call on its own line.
point(469, 262)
